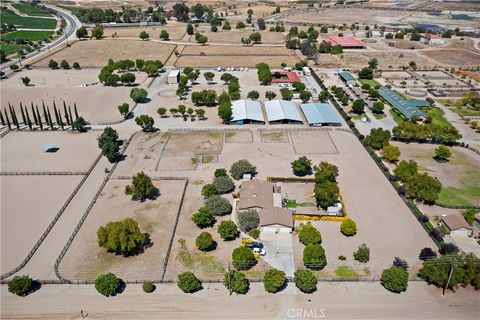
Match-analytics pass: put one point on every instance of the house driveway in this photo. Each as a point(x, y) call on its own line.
point(279, 251)
point(465, 243)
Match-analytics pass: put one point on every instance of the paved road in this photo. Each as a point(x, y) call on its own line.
point(72, 24)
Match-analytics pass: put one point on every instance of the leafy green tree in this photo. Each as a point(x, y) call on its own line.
point(225, 112)
point(305, 96)
point(97, 32)
point(218, 205)
point(274, 280)
point(223, 184)
point(442, 153)
point(366, 73)
point(209, 76)
point(164, 35)
point(127, 78)
point(81, 32)
point(20, 285)
point(394, 279)
point(358, 106)
point(161, 112)
point(362, 254)
point(209, 190)
point(373, 63)
point(124, 109)
point(377, 107)
point(25, 81)
point(243, 258)
point(52, 64)
point(141, 188)
point(305, 280)
point(248, 220)
point(270, 95)
point(302, 166)
point(406, 170)
point(220, 172)
point(203, 218)
point(308, 234)
point(314, 256)
point(287, 94)
point(423, 187)
point(325, 172)
point(390, 153)
point(226, 26)
point(264, 73)
point(64, 64)
point(145, 122)
point(79, 124)
point(469, 216)
point(188, 282)
point(348, 227)
point(378, 138)
point(241, 167)
point(138, 94)
point(326, 193)
point(240, 25)
point(121, 237)
point(254, 95)
point(228, 230)
point(108, 284)
point(204, 241)
point(236, 282)
point(148, 287)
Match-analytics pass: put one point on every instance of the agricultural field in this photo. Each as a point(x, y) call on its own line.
point(26, 35)
point(31, 10)
point(460, 176)
point(9, 17)
point(102, 50)
point(464, 58)
point(12, 48)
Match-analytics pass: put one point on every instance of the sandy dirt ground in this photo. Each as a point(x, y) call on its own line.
point(234, 36)
point(22, 151)
point(102, 50)
point(195, 142)
point(86, 260)
point(275, 136)
point(464, 58)
point(175, 32)
point(238, 137)
point(331, 301)
point(29, 203)
point(313, 142)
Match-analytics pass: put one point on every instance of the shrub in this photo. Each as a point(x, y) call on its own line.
point(305, 280)
point(348, 227)
point(228, 230)
point(121, 237)
point(309, 234)
point(138, 94)
point(397, 262)
point(314, 257)
point(427, 253)
point(395, 279)
point(343, 258)
point(64, 64)
point(148, 287)
point(274, 280)
point(302, 166)
point(188, 283)
point(204, 241)
point(378, 138)
point(108, 284)
point(390, 153)
point(203, 218)
point(243, 258)
point(469, 216)
point(448, 248)
point(141, 188)
point(209, 190)
point(52, 64)
point(248, 220)
point(242, 167)
point(236, 282)
point(76, 65)
point(145, 122)
point(255, 233)
point(362, 254)
point(223, 184)
point(220, 172)
point(20, 285)
point(442, 153)
point(218, 205)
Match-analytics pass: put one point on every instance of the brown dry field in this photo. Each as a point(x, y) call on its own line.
point(96, 104)
point(346, 15)
point(196, 143)
point(359, 59)
point(236, 50)
point(234, 36)
point(99, 51)
point(22, 151)
point(29, 203)
point(234, 61)
point(86, 260)
point(258, 10)
point(475, 75)
point(275, 136)
point(463, 58)
point(176, 32)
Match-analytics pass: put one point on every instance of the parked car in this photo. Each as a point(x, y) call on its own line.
point(259, 251)
point(254, 244)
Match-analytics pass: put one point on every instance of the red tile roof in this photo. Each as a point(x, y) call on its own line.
point(291, 77)
point(429, 36)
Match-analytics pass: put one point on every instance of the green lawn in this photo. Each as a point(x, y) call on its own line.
point(397, 117)
point(9, 17)
point(379, 116)
point(12, 48)
point(26, 35)
point(345, 272)
point(30, 9)
point(372, 82)
point(437, 116)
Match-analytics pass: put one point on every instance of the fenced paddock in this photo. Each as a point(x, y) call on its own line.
point(312, 142)
point(274, 136)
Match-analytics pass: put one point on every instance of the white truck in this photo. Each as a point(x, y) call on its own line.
point(306, 71)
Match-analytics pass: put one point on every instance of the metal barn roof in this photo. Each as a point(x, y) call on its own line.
point(247, 110)
point(406, 107)
point(347, 76)
point(282, 110)
point(319, 113)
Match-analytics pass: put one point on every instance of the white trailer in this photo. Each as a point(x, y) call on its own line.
point(306, 71)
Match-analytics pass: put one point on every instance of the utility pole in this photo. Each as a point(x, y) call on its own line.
point(449, 276)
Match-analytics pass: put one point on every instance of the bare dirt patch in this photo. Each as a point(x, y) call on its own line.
point(29, 204)
point(177, 163)
point(235, 36)
point(237, 61)
point(85, 260)
point(475, 75)
point(239, 136)
point(174, 32)
point(462, 58)
point(312, 142)
point(22, 151)
point(274, 136)
point(99, 51)
point(199, 142)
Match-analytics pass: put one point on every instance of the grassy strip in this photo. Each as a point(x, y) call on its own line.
point(371, 82)
point(345, 272)
point(26, 35)
point(30, 9)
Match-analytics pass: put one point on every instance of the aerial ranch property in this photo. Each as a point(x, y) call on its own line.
point(241, 160)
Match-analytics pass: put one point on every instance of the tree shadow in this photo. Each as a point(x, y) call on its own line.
point(147, 243)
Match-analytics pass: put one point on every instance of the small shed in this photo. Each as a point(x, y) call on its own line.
point(173, 77)
point(347, 77)
point(48, 147)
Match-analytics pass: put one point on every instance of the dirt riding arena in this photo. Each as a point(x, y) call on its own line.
point(193, 142)
point(22, 151)
point(33, 202)
point(86, 260)
point(316, 142)
point(117, 49)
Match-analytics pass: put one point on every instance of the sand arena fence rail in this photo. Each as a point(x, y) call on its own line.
point(42, 173)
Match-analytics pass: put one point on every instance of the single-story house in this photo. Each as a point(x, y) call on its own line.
point(320, 114)
point(173, 77)
point(255, 194)
point(276, 220)
point(457, 224)
point(282, 111)
point(285, 77)
point(247, 111)
point(429, 38)
point(347, 77)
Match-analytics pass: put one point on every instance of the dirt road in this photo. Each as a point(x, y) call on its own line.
point(331, 301)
